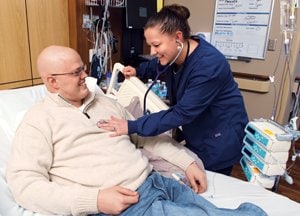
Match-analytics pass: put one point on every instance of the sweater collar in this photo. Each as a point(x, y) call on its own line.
point(58, 99)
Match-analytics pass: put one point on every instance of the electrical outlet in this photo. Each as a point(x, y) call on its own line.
point(272, 44)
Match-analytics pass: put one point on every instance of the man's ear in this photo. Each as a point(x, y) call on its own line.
point(52, 82)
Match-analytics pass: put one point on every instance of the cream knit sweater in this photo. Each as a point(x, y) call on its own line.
point(60, 159)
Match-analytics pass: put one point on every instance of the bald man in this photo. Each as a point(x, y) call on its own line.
point(62, 163)
point(60, 68)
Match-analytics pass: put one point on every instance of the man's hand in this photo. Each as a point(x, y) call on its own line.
point(116, 125)
point(116, 199)
point(197, 178)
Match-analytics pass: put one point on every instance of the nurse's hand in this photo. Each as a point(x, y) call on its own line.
point(129, 71)
point(117, 126)
point(197, 178)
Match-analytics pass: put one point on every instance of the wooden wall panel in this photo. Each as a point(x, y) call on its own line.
point(48, 23)
point(73, 22)
point(14, 48)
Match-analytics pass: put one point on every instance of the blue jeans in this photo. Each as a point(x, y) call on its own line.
point(160, 196)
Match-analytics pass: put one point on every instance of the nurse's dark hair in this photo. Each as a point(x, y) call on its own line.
point(171, 18)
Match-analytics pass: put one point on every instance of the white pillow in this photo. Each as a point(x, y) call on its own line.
point(13, 105)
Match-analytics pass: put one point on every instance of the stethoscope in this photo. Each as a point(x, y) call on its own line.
point(159, 72)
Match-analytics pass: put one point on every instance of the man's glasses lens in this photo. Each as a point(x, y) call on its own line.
point(80, 70)
point(77, 72)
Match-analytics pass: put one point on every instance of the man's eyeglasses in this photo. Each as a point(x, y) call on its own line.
point(76, 72)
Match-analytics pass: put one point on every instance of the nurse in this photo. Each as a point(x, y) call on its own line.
point(204, 98)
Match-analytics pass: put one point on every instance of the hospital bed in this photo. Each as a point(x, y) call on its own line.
point(223, 191)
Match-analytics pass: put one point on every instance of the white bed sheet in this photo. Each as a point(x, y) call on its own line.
point(223, 191)
point(229, 192)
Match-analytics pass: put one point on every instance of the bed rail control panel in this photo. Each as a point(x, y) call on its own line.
point(254, 175)
point(266, 155)
point(269, 135)
point(132, 91)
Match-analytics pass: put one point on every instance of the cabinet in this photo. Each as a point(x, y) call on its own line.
point(27, 27)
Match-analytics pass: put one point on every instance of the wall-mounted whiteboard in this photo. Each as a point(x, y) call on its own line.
point(241, 27)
